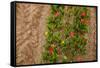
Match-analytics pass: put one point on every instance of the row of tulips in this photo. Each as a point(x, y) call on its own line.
point(65, 40)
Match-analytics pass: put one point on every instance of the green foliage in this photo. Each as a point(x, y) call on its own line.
point(67, 32)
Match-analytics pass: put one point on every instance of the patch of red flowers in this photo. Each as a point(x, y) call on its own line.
point(51, 50)
point(83, 14)
point(57, 13)
point(72, 34)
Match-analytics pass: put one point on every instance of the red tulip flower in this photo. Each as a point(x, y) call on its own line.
point(56, 14)
point(83, 14)
point(50, 50)
point(72, 34)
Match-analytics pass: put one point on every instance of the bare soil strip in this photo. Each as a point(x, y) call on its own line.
point(30, 29)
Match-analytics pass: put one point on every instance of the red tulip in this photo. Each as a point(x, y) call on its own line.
point(72, 34)
point(50, 50)
point(57, 14)
point(83, 14)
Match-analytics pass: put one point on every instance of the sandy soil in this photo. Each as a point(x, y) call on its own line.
point(30, 29)
point(91, 46)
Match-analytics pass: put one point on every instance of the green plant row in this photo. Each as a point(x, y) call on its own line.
point(66, 34)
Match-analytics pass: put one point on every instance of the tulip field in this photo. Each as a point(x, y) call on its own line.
point(66, 35)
